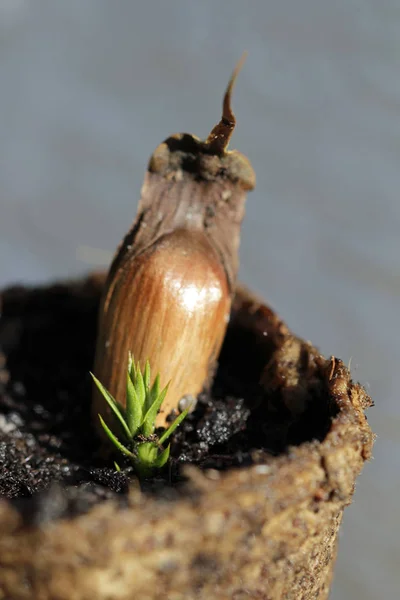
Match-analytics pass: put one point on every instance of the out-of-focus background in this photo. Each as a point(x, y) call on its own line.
point(89, 88)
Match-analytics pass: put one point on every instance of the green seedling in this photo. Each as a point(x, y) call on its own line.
point(137, 439)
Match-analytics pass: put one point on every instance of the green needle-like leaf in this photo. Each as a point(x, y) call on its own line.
point(113, 405)
point(173, 426)
point(117, 467)
point(162, 458)
point(115, 440)
point(153, 393)
point(133, 408)
point(150, 417)
point(131, 366)
point(146, 377)
point(139, 387)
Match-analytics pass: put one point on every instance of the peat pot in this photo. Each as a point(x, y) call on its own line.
point(253, 499)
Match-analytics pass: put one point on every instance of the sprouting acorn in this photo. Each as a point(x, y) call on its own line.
point(168, 293)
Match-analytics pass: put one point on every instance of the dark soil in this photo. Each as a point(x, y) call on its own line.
point(51, 463)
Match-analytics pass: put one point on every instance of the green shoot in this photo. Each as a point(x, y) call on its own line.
point(136, 421)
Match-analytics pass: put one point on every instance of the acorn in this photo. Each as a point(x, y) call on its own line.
point(167, 297)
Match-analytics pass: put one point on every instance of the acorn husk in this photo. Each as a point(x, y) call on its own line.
point(265, 531)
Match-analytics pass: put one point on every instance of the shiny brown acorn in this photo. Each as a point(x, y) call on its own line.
point(168, 294)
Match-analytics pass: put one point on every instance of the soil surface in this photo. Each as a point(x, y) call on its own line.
point(51, 463)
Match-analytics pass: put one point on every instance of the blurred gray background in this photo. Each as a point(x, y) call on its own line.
point(88, 88)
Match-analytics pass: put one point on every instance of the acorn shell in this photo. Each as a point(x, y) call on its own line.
point(170, 305)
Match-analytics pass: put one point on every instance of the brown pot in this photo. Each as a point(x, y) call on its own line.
point(266, 531)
